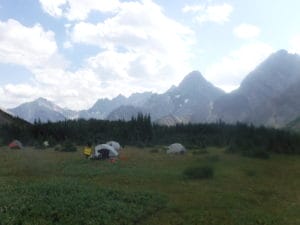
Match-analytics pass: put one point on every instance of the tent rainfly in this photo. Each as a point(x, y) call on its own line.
point(105, 151)
point(115, 145)
point(15, 144)
point(176, 148)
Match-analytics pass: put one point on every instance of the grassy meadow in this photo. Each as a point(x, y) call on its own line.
point(146, 186)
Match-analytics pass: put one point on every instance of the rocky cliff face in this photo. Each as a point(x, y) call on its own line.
point(190, 101)
point(261, 95)
point(103, 107)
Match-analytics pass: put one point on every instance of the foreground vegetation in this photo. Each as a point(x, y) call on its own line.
point(146, 186)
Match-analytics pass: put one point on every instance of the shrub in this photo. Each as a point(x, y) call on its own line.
point(213, 158)
point(57, 148)
point(199, 151)
point(199, 172)
point(257, 153)
point(250, 173)
point(154, 150)
point(67, 146)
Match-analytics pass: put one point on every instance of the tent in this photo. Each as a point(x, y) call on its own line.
point(105, 151)
point(176, 148)
point(15, 144)
point(115, 145)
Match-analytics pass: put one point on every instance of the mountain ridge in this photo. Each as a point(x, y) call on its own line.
point(267, 96)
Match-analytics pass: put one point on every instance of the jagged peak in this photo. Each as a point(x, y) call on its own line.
point(194, 80)
point(120, 96)
point(194, 76)
point(42, 100)
point(280, 55)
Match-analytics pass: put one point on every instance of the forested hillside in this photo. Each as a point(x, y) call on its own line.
point(141, 132)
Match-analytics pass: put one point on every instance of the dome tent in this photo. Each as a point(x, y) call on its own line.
point(15, 144)
point(176, 148)
point(115, 145)
point(105, 151)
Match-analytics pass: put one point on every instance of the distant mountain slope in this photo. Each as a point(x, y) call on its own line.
point(258, 99)
point(284, 108)
point(43, 110)
point(103, 107)
point(171, 120)
point(190, 101)
point(6, 118)
point(294, 125)
point(125, 113)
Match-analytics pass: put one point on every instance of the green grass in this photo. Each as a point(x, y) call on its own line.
point(242, 191)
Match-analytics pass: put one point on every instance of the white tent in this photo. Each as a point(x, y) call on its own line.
point(99, 149)
point(115, 145)
point(176, 148)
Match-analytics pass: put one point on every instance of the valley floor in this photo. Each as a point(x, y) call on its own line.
point(243, 191)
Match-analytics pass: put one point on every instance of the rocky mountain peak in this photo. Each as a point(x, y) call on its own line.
point(275, 74)
point(193, 79)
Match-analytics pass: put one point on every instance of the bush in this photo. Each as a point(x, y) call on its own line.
point(154, 150)
point(67, 146)
point(199, 172)
point(199, 151)
point(57, 148)
point(257, 153)
point(250, 173)
point(213, 158)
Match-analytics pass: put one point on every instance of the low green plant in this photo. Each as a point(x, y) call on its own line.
point(73, 204)
point(199, 172)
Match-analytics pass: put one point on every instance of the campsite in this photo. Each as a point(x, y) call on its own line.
point(136, 172)
point(147, 186)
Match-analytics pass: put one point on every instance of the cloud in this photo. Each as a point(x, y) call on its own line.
point(246, 31)
point(78, 9)
point(67, 44)
point(233, 68)
point(193, 8)
point(13, 94)
point(295, 44)
point(138, 43)
point(36, 49)
point(53, 7)
point(27, 46)
point(210, 13)
point(140, 49)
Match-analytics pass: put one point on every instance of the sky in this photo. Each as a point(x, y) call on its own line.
point(74, 52)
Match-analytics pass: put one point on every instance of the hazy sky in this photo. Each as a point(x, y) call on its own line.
point(76, 51)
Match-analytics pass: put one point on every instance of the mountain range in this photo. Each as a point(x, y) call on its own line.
point(267, 96)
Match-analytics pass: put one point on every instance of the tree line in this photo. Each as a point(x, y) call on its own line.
point(140, 131)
